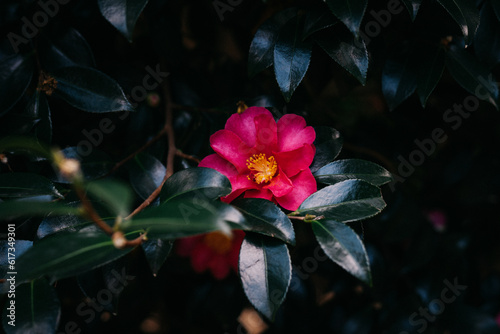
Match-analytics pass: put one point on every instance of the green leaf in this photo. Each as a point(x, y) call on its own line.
point(37, 309)
point(317, 19)
point(348, 51)
point(67, 254)
point(146, 173)
point(156, 251)
point(116, 194)
point(349, 12)
point(344, 247)
point(345, 201)
point(399, 77)
point(496, 8)
point(265, 217)
point(20, 247)
point(431, 68)
point(90, 90)
point(265, 272)
point(473, 76)
point(328, 144)
point(413, 7)
point(15, 74)
point(200, 182)
point(21, 144)
point(38, 107)
point(122, 14)
point(24, 208)
point(18, 185)
point(342, 170)
point(177, 219)
point(291, 57)
point(94, 164)
point(465, 13)
point(261, 53)
point(487, 39)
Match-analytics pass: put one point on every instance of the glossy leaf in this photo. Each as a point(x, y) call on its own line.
point(318, 19)
point(413, 6)
point(94, 163)
point(156, 251)
point(349, 12)
point(466, 14)
point(496, 7)
point(116, 195)
point(261, 53)
point(90, 90)
point(328, 144)
point(348, 51)
point(122, 14)
point(24, 208)
point(177, 219)
point(265, 272)
point(37, 309)
point(345, 201)
point(67, 254)
point(26, 145)
point(38, 107)
point(19, 248)
point(399, 78)
point(199, 182)
point(291, 57)
point(487, 39)
point(431, 69)
point(342, 170)
point(146, 173)
point(265, 217)
point(472, 75)
point(17, 185)
point(344, 247)
point(16, 72)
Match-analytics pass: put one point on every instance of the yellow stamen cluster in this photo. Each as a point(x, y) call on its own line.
point(262, 169)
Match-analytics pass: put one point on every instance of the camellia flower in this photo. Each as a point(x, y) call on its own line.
point(214, 251)
point(265, 159)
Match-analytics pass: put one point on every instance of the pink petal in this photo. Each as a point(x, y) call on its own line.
point(304, 185)
point(230, 147)
point(260, 193)
point(239, 183)
point(185, 246)
point(243, 124)
point(219, 266)
point(293, 133)
point(220, 164)
point(200, 257)
point(266, 140)
point(280, 184)
point(292, 162)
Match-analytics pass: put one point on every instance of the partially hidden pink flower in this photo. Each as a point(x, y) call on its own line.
point(266, 159)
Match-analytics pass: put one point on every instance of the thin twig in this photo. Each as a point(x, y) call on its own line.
point(181, 154)
point(90, 211)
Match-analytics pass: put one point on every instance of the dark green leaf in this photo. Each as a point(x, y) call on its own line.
point(177, 219)
point(342, 170)
point(200, 182)
point(11, 209)
point(487, 39)
point(496, 7)
point(37, 309)
point(17, 185)
point(20, 247)
point(20, 144)
point(261, 53)
point(122, 14)
point(347, 50)
point(345, 201)
point(473, 76)
point(15, 74)
point(67, 254)
point(399, 78)
point(265, 272)
point(317, 19)
point(413, 7)
point(431, 68)
point(349, 12)
point(265, 217)
point(466, 14)
point(344, 247)
point(38, 108)
point(156, 251)
point(90, 90)
point(115, 194)
point(328, 144)
point(146, 173)
point(93, 163)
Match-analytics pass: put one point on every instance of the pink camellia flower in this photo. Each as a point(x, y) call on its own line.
point(265, 159)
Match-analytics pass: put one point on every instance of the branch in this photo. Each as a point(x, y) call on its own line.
point(181, 154)
point(90, 211)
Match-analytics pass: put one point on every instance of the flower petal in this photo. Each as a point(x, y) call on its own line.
point(200, 257)
point(230, 147)
point(259, 193)
point(266, 140)
point(220, 164)
point(280, 185)
point(304, 185)
point(239, 184)
point(219, 266)
point(293, 133)
point(292, 162)
point(243, 124)
point(184, 246)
